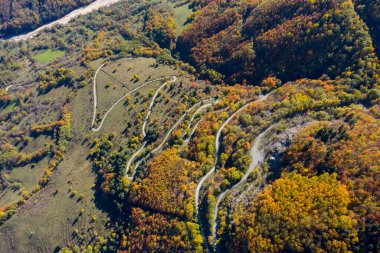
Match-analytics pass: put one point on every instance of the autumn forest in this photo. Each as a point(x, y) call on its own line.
point(190, 126)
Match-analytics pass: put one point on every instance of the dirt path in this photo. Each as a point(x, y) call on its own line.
point(174, 78)
point(217, 150)
point(187, 140)
point(257, 156)
point(156, 149)
point(199, 110)
point(95, 95)
point(66, 19)
point(143, 129)
point(169, 132)
point(176, 124)
point(151, 106)
point(8, 88)
point(132, 159)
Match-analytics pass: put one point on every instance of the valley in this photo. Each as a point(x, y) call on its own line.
point(190, 126)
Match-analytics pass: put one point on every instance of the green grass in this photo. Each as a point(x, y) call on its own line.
point(27, 175)
point(49, 55)
point(62, 213)
point(180, 16)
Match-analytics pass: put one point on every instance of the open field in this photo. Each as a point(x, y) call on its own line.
point(49, 55)
point(116, 78)
point(21, 179)
point(53, 215)
point(180, 16)
point(28, 175)
point(60, 201)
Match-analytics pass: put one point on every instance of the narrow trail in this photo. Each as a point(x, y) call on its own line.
point(206, 177)
point(144, 127)
point(198, 111)
point(176, 124)
point(155, 150)
point(118, 101)
point(8, 87)
point(95, 95)
point(194, 129)
point(132, 159)
point(115, 79)
point(257, 157)
point(64, 20)
point(186, 142)
point(150, 108)
point(170, 132)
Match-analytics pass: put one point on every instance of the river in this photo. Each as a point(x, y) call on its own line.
point(64, 20)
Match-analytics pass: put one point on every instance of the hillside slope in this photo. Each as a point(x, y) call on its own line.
point(369, 10)
point(250, 40)
point(246, 126)
point(24, 15)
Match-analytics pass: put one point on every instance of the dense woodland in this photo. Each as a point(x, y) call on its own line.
point(370, 13)
point(298, 214)
point(317, 188)
point(249, 40)
point(22, 16)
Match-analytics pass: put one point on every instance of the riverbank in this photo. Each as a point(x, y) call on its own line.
point(64, 20)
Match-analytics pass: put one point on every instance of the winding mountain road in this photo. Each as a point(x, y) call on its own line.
point(151, 106)
point(198, 111)
point(257, 156)
point(118, 101)
point(217, 150)
point(176, 124)
point(132, 159)
point(64, 20)
point(8, 87)
point(156, 149)
point(187, 140)
point(193, 130)
point(95, 95)
point(144, 127)
point(174, 78)
point(169, 132)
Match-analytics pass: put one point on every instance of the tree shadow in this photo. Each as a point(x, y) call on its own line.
point(105, 203)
